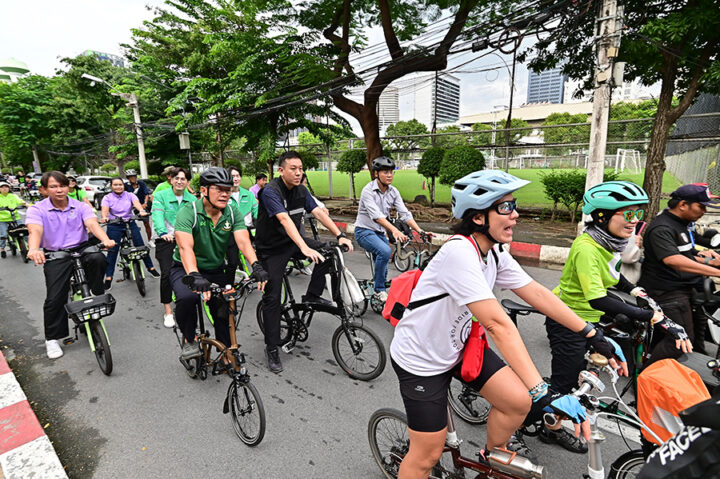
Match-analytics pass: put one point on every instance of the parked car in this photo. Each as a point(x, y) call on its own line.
point(91, 184)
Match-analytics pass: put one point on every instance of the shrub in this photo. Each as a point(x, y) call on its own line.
point(108, 168)
point(352, 161)
point(458, 162)
point(568, 188)
point(429, 167)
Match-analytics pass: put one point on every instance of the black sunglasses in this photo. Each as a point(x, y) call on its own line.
point(506, 207)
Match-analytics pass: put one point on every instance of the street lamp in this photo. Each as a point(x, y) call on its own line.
point(132, 101)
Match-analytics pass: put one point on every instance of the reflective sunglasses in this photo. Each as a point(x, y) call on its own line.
point(506, 207)
point(630, 214)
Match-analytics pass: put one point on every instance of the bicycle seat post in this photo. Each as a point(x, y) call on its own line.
point(452, 438)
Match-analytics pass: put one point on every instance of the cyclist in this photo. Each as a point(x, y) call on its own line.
point(247, 204)
point(593, 266)
point(261, 180)
point(165, 207)
point(203, 230)
point(283, 202)
point(22, 182)
point(428, 346)
point(56, 223)
point(673, 268)
point(140, 189)
point(76, 192)
point(7, 200)
point(376, 200)
point(119, 204)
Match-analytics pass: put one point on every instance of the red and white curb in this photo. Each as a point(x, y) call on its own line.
point(25, 450)
point(530, 253)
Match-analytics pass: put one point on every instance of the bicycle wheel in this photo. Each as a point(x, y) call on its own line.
point(628, 465)
point(389, 440)
point(139, 279)
point(403, 258)
point(362, 354)
point(13, 247)
point(102, 347)
point(285, 331)
point(22, 246)
point(469, 405)
point(247, 412)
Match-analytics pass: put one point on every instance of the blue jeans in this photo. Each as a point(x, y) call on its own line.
point(115, 232)
point(377, 244)
point(4, 227)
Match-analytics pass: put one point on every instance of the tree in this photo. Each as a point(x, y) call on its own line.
point(484, 137)
point(429, 167)
point(450, 141)
point(458, 162)
point(352, 162)
point(402, 131)
point(676, 43)
point(566, 134)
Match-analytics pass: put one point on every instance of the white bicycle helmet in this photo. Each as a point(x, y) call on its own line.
point(480, 189)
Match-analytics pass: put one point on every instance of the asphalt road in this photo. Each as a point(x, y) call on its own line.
point(149, 419)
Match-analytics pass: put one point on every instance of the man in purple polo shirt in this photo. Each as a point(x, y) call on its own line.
point(55, 223)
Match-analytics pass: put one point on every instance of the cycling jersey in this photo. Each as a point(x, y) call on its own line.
point(165, 209)
point(430, 339)
point(9, 201)
point(78, 194)
point(210, 242)
point(588, 273)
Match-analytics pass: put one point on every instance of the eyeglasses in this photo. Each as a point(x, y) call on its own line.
point(630, 214)
point(506, 207)
point(222, 189)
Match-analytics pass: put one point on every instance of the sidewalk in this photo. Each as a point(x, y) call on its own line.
point(25, 450)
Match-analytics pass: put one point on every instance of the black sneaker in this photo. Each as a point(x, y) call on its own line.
point(563, 438)
point(273, 360)
point(108, 284)
point(3, 254)
point(190, 351)
point(154, 273)
point(517, 444)
point(311, 298)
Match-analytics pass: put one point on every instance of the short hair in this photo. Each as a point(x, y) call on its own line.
point(286, 156)
point(260, 176)
point(234, 168)
point(58, 176)
point(179, 170)
point(116, 178)
point(673, 202)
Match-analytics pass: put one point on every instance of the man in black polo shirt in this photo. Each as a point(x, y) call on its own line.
point(673, 268)
point(283, 203)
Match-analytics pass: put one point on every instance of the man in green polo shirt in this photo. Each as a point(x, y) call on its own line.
point(203, 230)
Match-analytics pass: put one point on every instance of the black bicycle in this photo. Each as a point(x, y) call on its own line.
point(131, 257)
point(17, 235)
point(362, 354)
point(86, 310)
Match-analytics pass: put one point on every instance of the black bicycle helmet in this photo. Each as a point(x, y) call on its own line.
point(216, 176)
point(383, 163)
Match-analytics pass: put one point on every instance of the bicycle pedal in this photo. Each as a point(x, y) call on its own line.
point(287, 348)
point(68, 341)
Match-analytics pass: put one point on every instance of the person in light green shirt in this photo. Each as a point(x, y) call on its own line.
point(77, 193)
point(7, 200)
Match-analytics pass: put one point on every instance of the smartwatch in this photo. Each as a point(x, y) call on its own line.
point(341, 235)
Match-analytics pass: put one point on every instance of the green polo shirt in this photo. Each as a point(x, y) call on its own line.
point(211, 242)
point(78, 194)
point(9, 201)
point(246, 203)
point(161, 187)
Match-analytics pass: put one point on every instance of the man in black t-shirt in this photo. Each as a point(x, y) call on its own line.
point(283, 203)
point(673, 268)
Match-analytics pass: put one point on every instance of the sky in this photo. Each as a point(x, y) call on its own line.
point(41, 32)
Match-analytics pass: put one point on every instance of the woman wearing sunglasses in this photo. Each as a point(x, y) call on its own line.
point(593, 266)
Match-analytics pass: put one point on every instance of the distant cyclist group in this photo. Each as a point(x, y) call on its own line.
point(202, 240)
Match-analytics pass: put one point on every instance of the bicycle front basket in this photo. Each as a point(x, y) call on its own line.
point(94, 307)
point(135, 252)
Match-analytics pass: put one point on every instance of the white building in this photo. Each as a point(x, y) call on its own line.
point(388, 108)
point(12, 69)
point(627, 91)
point(448, 99)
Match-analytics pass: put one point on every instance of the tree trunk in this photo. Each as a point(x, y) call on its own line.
point(352, 186)
point(271, 173)
point(432, 192)
point(554, 211)
point(371, 129)
point(220, 160)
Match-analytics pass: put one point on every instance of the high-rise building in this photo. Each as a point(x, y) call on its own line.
point(388, 108)
point(548, 86)
point(626, 91)
point(448, 99)
point(116, 60)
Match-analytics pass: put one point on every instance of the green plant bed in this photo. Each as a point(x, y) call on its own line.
point(410, 183)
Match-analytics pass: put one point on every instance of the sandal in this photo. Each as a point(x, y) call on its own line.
point(517, 444)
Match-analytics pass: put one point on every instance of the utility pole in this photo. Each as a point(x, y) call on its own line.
point(510, 105)
point(434, 127)
point(133, 103)
point(608, 29)
point(329, 157)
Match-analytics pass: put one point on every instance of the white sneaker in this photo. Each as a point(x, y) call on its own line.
point(381, 296)
point(53, 349)
point(151, 243)
point(169, 320)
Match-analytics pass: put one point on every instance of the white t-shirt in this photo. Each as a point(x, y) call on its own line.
point(429, 340)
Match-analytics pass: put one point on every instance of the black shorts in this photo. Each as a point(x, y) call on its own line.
point(425, 397)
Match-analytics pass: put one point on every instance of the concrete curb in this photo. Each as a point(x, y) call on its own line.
point(25, 449)
point(529, 253)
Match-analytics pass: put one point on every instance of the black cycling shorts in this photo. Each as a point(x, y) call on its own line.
point(425, 397)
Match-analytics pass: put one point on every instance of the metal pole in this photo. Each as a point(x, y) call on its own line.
point(138, 131)
point(509, 118)
point(434, 127)
point(327, 126)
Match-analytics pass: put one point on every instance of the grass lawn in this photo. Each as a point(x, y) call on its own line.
point(410, 184)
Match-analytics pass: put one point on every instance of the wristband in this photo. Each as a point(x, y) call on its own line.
point(586, 330)
point(341, 235)
point(707, 260)
point(538, 391)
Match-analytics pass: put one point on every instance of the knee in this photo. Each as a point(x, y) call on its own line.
point(384, 252)
point(426, 458)
point(516, 403)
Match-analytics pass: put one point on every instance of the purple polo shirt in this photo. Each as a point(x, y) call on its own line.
point(121, 206)
point(62, 229)
point(254, 189)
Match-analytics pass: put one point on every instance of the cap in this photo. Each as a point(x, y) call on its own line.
point(4, 183)
point(695, 193)
point(168, 170)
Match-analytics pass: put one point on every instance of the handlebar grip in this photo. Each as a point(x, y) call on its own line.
point(622, 319)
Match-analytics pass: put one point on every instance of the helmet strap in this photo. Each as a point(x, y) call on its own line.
point(485, 228)
point(207, 197)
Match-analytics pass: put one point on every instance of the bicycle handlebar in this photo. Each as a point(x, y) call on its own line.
point(117, 221)
point(68, 253)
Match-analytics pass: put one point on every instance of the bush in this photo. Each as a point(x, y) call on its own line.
point(568, 188)
point(6, 171)
point(352, 161)
point(195, 183)
point(429, 167)
point(108, 168)
point(309, 160)
point(458, 162)
point(132, 165)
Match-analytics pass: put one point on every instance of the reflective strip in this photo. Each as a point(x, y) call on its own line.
point(296, 211)
point(685, 247)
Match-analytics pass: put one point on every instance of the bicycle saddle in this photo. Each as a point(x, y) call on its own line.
point(511, 305)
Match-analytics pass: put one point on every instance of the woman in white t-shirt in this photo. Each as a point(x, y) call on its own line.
point(427, 349)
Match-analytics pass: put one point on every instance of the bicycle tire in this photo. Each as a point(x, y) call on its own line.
point(23, 249)
point(389, 440)
point(139, 280)
point(403, 258)
point(376, 305)
point(628, 465)
point(366, 340)
point(469, 405)
point(102, 347)
point(13, 247)
point(285, 330)
point(244, 404)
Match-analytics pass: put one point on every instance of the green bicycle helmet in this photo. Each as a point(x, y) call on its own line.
point(613, 195)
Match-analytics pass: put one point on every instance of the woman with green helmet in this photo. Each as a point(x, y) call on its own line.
point(593, 266)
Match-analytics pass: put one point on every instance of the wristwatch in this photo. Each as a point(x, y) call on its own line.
point(341, 235)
